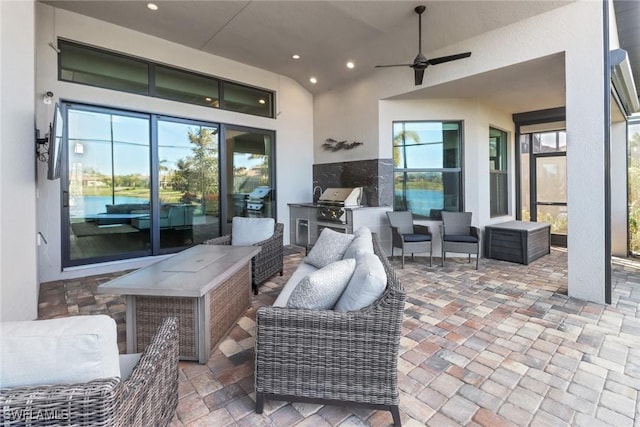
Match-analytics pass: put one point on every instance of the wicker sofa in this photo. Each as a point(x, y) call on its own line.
point(148, 397)
point(332, 357)
point(267, 262)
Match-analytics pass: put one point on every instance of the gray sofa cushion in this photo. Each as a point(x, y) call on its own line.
point(301, 272)
point(321, 289)
point(366, 285)
point(361, 243)
point(330, 247)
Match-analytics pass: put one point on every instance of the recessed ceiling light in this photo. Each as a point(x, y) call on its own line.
point(261, 101)
point(350, 64)
point(295, 56)
point(152, 6)
point(208, 99)
point(313, 80)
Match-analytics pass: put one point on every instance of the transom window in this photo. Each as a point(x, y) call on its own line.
point(110, 70)
point(427, 167)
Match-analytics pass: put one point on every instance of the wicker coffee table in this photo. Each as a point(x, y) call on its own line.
point(208, 287)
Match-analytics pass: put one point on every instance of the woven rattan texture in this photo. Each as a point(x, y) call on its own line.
point(151, 310)
point(266, 263)
point(228, 302)
point(148, 398)
point(346, 356)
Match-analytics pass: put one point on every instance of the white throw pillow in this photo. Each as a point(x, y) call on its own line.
point(249, 231)
point(362, 243)
point(69, 350)
point(367, 284)
point(329, 247)
point(321, 289)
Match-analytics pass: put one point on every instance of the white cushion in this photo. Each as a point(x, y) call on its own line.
point(301, 272)
point(367, 284)
point(362, 243)
point(321, 289)
point(73, 349)
point(329, 247)
point(249, 231)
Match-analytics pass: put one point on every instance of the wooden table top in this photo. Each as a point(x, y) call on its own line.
point(190, 273)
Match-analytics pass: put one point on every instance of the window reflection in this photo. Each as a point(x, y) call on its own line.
point(188, 183)
point(427, 167)
point(108, 184)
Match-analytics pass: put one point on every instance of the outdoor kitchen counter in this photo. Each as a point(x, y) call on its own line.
point(305, 227)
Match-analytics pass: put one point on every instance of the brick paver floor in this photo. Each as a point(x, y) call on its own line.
point(499, 346)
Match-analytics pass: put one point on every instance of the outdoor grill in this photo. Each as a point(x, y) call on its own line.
point(333, 201)
point(255, 199)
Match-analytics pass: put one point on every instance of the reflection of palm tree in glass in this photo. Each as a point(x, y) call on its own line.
point(205, 160)
point(400, 141)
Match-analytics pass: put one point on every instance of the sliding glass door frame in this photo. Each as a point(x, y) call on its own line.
point(153, 246)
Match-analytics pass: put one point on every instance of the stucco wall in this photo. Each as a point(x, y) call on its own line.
point(18, 268)
point(293, 125)
point(477, 118)
point(576, 31)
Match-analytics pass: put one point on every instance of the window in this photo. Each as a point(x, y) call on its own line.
point(80, 64)
point(427, 167)
point(138, 184)
point(187, 87)
point(109, 70)
point(498, 172)
point(244, 99)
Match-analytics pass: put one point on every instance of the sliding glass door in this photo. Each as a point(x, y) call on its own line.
point(250, 172)
point(138, 184)
point(107, 185)
point(188, 168)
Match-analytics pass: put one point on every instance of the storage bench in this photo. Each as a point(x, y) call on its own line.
point(517, 241)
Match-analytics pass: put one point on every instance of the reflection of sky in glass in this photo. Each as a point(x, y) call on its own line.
point(174, 143)
point(93, 131)
point(427, 152)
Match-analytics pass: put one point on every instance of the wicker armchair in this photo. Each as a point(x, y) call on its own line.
point(408, 236)
point(268, 262)
point(148, 397)
point(459, 236)
point(331, 357)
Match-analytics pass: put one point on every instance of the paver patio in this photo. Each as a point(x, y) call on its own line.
point(499, 346)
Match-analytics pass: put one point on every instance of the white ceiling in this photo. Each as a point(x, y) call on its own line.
point(327, 34)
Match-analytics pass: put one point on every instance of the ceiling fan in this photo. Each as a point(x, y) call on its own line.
point(421, 62)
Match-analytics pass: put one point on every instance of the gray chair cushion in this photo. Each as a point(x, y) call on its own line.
point(321, 289)
point(416, 237)
point(367, 284)
point(460, 238)
point(330, 247)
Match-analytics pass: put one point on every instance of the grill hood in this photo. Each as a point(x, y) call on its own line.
point(342, 196)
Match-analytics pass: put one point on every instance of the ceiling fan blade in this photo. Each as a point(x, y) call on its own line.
point(393, 65)
point(436, 61)
point(419, 74)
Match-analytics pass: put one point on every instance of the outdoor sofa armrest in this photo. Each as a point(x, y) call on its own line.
point(475, 232)
point(340, 356)
point(148, 397)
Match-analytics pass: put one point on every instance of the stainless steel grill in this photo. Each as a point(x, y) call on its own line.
point(333, 201)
